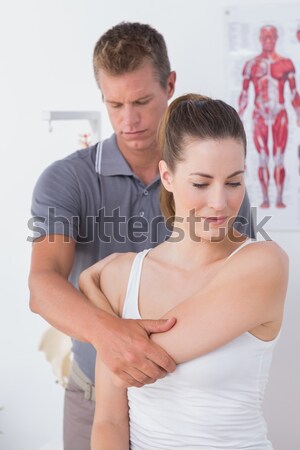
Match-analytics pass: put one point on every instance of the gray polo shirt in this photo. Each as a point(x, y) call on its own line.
point(94, 197)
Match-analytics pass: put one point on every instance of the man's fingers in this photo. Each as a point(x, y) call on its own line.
point(133, 377)
point(134, 357)
point(148, 364)
point(157, 326)
point(154, 352)
point(160, 358)
point(141, 377)
point(124, 380)
point(145, 368)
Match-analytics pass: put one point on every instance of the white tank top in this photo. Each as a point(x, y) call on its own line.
point(213, 402)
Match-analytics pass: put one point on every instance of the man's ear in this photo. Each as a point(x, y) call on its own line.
point(171, 84)
point(166, 175)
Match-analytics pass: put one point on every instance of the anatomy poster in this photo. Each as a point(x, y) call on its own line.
point(263, 63)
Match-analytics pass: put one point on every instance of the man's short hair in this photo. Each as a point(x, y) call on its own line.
point(126, 46)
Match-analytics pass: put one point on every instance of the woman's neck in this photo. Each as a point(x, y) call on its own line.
point(189, 253)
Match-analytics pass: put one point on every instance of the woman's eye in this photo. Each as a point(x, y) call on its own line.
point(199, 185)
point(234, 184)
point(204, 185)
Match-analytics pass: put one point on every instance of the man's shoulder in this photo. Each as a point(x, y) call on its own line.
point(91, 158)
point(66, 176)
point(82, 158)
point(78, 165)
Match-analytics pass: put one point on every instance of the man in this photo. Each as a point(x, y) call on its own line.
point(269, 72)
point(102, 200)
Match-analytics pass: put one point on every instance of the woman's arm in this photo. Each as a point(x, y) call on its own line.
point(249, 291)
point(110, 429)
point(90, 282)
point(111, 424)
point(138, 359)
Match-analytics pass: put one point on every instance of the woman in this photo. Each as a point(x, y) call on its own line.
point(226, 292)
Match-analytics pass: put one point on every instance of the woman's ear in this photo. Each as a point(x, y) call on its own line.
point(165, 175)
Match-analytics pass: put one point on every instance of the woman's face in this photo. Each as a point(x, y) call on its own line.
point(208, 186)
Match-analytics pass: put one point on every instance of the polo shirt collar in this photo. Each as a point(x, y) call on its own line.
point(109, 159)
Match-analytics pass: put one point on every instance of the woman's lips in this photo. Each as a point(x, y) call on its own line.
point(218, 220)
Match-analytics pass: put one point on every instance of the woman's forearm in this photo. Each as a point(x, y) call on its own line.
point(110, 436)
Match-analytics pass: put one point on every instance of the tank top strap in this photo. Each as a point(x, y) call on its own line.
point(247, 242)
point(131, 301)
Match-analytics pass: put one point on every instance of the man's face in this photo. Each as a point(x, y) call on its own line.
point(268, 38)
point(135, 103)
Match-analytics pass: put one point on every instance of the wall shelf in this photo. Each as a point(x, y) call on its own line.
point(94, 117)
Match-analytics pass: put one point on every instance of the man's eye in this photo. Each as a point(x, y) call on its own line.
point(142, 102)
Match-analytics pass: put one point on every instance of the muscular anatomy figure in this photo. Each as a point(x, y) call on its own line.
point(269, 72)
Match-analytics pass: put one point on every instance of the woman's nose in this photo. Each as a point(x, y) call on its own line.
point(217, 199)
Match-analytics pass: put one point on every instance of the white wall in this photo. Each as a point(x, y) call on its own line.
point(45, 50)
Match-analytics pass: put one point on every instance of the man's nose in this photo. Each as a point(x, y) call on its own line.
point(130, 116)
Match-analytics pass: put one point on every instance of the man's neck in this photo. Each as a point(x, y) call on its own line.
point(143, 162)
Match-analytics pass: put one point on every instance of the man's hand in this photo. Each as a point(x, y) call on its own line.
point(130, 354)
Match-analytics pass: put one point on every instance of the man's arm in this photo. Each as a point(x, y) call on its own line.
point(52, 296)
point(124, 345)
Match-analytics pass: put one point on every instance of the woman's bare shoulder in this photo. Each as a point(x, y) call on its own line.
point(118, 266)
point(260, 261)
point(262, 252)
point(114, 278)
